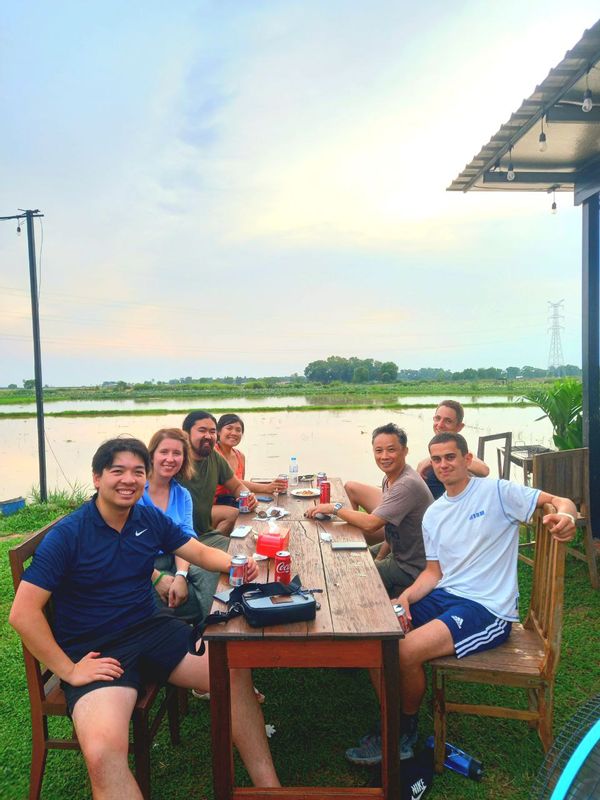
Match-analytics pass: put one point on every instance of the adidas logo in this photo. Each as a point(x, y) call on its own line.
point(458, 620)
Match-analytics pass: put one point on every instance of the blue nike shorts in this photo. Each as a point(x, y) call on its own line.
point(473, 627)
point(151, 649)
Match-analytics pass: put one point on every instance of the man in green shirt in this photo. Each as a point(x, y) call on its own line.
point(210, 470)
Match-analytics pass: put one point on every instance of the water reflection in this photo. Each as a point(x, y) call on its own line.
point(338, 442)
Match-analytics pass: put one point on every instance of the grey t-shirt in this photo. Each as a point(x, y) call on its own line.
point(402, 507)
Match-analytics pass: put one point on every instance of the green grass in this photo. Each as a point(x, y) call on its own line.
point(35, 515)
point(317, 714)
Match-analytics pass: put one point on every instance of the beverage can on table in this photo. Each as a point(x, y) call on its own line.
point(284, 478)
point(283, 566)
point(238, 571)
point(402, 618)
point(244, 502)
point(325, 492)
point(321, 476)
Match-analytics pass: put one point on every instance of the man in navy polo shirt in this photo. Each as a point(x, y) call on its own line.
point(96, 565)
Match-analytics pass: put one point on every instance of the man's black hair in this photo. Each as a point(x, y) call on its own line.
point(392, 429)
point(105, 454)
point(193, 417)
point(460, 441)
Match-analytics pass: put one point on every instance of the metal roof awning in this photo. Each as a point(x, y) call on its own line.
point(572, 154)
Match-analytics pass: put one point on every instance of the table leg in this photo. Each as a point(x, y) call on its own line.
point(220, 721)
point(390, 720)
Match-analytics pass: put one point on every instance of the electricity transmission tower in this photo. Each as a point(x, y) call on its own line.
point(555, 317)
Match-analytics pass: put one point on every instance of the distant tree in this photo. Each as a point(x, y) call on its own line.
point(29, 384)
point(360, 375)
point(512, 372)
point(389, 371)
point(12, 385)
point(533, 372)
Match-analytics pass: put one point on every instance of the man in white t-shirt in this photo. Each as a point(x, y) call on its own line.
point(466, 598)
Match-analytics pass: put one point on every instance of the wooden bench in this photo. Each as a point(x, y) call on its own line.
point(47, 699)
point(528, 659)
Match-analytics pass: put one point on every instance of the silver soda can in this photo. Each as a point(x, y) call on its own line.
point(243, 502)
point(321, 476)
point(402, 618)
point(238, 571)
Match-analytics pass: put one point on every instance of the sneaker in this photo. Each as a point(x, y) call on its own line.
point(368, 753)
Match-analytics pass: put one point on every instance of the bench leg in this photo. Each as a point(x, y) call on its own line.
point(439, 719)
point(545, 707)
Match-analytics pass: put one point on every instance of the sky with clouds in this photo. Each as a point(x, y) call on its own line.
point(240, 187)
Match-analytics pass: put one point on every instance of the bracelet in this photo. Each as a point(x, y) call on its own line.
point(162, 575)
point(566, 514)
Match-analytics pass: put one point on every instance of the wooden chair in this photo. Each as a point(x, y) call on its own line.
point(528, 659)
point(566, 473)
point(503, 465)
point(46, 699)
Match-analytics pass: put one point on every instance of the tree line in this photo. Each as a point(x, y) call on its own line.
point(368, 370)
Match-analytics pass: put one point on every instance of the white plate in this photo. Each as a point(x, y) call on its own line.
point(306, 494)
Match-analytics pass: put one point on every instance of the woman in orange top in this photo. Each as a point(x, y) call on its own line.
point(230, 430)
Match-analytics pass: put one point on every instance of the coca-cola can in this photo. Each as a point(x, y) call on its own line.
point(321, 476)
point(402, 618)
point(244, 502)
point(283, 566)
point(238, 571)
point(284, 478)
point(325, 492)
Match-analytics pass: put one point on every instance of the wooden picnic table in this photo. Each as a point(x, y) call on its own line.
point(354, 627)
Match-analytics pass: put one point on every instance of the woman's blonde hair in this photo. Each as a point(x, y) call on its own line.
point(187, 468)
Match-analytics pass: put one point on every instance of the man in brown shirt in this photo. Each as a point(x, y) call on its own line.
point(396, 509)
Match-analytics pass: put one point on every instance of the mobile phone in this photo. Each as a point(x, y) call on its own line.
point(348, 545)
point(223, 597)
point(240, 531)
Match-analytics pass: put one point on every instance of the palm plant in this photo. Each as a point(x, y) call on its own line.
point(562, 403)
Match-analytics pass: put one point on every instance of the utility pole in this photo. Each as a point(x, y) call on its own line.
point(555, 357)
point(29, 215)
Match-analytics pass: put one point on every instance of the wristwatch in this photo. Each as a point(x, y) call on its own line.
point(182, 572)
point(336, 507)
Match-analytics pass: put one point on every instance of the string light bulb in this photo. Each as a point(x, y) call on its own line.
point(543, 144)
point(588, 103)
point(553, 208)
point(18, 227)
point(510, 175)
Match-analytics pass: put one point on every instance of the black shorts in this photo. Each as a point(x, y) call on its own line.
point(149, 650)
point(226, 500)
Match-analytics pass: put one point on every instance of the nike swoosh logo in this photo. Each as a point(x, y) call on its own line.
point(421, 793)
point(139, 533)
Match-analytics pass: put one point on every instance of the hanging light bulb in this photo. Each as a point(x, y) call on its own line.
point(18, 227)
point(510, 175)
point(553, 208)
point(543, 144)
point(587, 104)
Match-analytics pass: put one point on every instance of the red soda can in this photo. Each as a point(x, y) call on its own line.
point(402, 618)
point(284, 478)
point(321, 476)
point(243, 502)
point(283, 566)
point(238, 571)
point(325, 492)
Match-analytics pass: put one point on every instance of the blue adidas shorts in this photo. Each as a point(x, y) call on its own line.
point(473, 627)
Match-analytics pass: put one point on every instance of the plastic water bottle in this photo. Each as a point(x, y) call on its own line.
point(459, 761)
point(293, 471)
